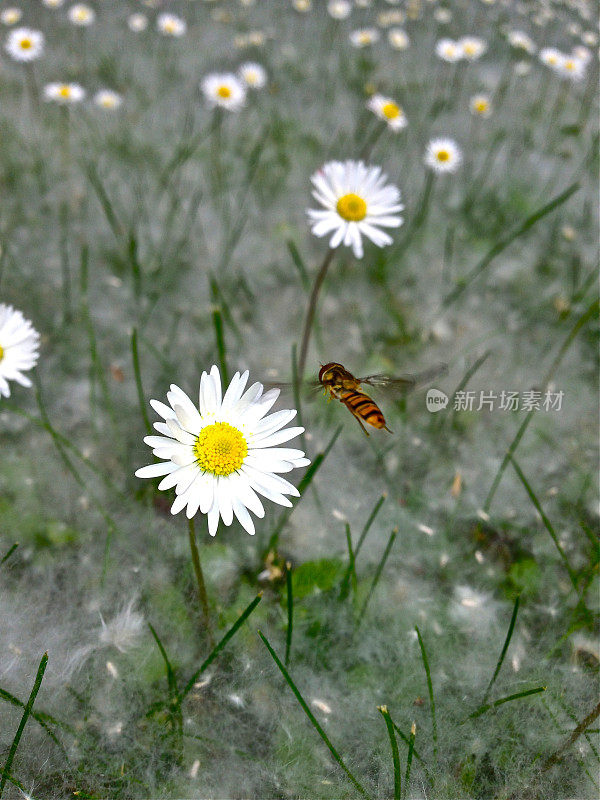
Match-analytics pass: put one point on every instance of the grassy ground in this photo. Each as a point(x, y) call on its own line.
point(164, 236)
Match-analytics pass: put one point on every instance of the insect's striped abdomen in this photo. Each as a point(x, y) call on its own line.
point(361, 405)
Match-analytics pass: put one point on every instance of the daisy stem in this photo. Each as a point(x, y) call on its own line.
point(33, 90)
point(200, 580)
point(310, 311)
point(64, 213)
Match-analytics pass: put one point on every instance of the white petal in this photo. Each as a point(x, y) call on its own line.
point(245, 520)
point(224, 499)
point(154, 470)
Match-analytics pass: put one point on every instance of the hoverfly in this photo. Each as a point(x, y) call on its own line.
point(341, 384)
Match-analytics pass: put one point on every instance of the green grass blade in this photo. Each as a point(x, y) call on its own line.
point(378, 572)
point(298, 263)
point(350, 574)
point(347, 575)
point(111, 215)
point(171, 679)
point(40, 717)
point(509, 634)
point(547, 524)
point(290, 612)
point(395, 754)
point(591, 311)
point(8, 553)
point(486, 707)
point(502, 244)
point(26, 713)
point(296, 390)
point(135, 356)
point(220, 342)
point(406, 740)
point(311, 716)
point(409, 757)
point(220, 645)
point(430, 690)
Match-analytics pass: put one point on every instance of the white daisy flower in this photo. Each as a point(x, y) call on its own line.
point(472, 47)
point(106, 98)
point(24, 44)
point(303, 6)
point(339, 9)
point(387, 18)
point(572, 68)
point(364, 37)
point(357, 202)
point(582, 53)
point(443, 155)
point(521, 41)
point(19, 343)
point(170, 25)
point(253, 75)
point(10, 16)
point(137, 22)
point(442, 15)
point(480, 105)
point(551, 57)
point(80, 14)
point(223, 454)
point(224, 90)
point(448, 50)
point(398, 38)
point(388, 110)
point(64, 93)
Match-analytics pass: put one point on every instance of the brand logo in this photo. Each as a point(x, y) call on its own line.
point(436, 400)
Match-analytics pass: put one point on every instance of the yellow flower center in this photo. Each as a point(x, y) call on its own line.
point(169, 27)
point(442, 155)
point(65, 91)
point(552, 59)
point(351, 207)
point(224, 92)
point(220, 449)
point(390, 111)
point(470, 49)
point(570, 65)
point(481, 106)
point(25, 44)
point(1, 352)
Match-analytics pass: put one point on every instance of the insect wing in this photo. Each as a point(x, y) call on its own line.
point(403, 384)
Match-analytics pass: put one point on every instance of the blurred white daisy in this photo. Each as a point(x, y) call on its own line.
point(472, 47)
point(224, 90)
point(398, 38)
point(223, 454)
point(80, 14)
point(24, 44)
point(364, 37)
point(582, 53)
point(19, 343)
point(303, 6)
point(106, 98)
point(480, 105)
point(339, 9)
point(388, 110)
point(357, 202)
point(572, 68)
point(53, 3)
point(387, 18)
point(137, 22)
point(170, 25)
point(521, 41)
point(10, 16)
point(64, 93)
point(442, 15)
point(443, 155)
point(253, 75)
point(448, 50)
point(550, 57)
